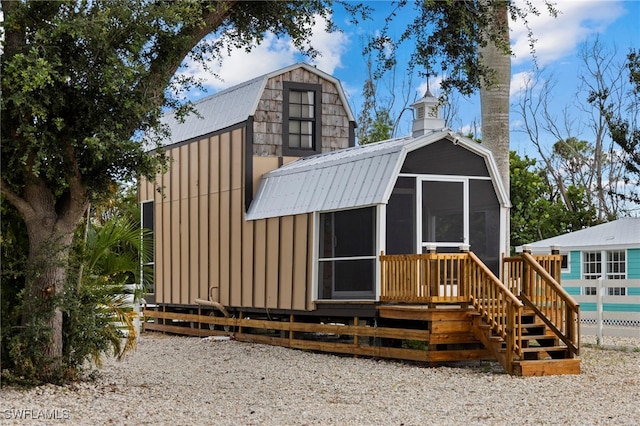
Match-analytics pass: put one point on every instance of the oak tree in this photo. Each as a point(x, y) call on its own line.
point(81, 81)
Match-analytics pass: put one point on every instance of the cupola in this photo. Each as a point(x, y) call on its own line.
point(426, 115)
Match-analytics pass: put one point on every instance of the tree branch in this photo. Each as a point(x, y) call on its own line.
point(171, 56)
point(18, 202)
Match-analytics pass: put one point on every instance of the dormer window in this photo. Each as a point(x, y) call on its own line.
point(301, 119)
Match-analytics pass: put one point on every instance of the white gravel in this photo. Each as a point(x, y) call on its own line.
point(190, 381)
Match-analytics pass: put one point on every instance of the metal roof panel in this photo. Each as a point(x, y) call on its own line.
point(623, 232)
point(349, 178)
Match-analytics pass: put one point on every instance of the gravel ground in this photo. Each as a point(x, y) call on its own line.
point(173, 380)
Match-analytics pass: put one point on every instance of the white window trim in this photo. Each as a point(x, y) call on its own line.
point(604, 271)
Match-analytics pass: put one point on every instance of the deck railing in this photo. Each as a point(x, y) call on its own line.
point(454, 277)
point(423, 278)
point(537, 280)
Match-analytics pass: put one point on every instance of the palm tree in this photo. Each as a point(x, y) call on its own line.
point(494, 93)
point(99, 302)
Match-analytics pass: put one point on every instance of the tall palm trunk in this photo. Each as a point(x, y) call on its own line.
point(494, 94)
point(494, 97)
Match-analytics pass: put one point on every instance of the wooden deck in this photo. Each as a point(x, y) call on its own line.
point(529, 322)
point(434, 308)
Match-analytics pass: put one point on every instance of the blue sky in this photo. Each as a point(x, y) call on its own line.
point(615, 23)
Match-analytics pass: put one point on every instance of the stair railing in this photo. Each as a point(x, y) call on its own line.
point(544, 294)
point(497, 305)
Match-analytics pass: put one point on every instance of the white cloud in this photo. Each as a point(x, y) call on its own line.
point(433, 84)
point(558, 37)
point(271, 54)
point(330, 45)
point(519, 82)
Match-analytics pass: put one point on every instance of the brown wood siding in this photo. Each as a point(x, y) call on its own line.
point(310, 242)
point(183, 185)
point(158, 272)
point(272, 262)
point(173, 244)
point(202, 240)
point(203, 218)
point(163, 248)
point(247, 263)
point(214, 218)
point(260, 263)
point(224, 230)
point(285, 280)
point(193, 225)
point(300, 255)
point(262, 165)
point(237, 218)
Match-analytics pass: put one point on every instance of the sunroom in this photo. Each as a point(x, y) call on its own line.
point(435, 192)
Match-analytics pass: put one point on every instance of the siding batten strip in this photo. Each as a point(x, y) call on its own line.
point(184, 282)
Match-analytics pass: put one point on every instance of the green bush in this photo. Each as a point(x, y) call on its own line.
point(95, 307)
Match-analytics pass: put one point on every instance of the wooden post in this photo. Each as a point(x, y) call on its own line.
point(356, 338)
point(384, 291)
point(555, 268)
point(432, 273)
point(526, 275)
point(465, 275)
point(291, 333)
point(510, 334)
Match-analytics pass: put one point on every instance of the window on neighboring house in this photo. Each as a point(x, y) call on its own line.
point(148, 252)
point(302, 121)
point(617, 291)
point(591, 265)
point(590, 291)
point(564, 266)
point(611, 265)
point(616, 265)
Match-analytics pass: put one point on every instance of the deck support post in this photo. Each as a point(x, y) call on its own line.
point(291, 333)
point(356, 338)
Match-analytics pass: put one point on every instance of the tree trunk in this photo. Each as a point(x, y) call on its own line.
point(50, 224)
point(49, 249)
point(494, 95)
point(494, 99)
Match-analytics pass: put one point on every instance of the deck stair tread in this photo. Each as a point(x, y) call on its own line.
point(544, 348)
point(547, 367)
point(538, 336)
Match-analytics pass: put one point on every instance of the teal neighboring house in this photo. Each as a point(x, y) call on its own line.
point(606, 256)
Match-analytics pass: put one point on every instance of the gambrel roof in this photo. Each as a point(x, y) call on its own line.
point(234, 105)
point(350, 178)
point(621, 233)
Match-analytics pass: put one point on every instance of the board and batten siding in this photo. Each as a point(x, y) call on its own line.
point(203, 246)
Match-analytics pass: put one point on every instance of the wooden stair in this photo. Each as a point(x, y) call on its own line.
point(542, 352)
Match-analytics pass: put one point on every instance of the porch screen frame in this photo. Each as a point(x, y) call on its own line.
point(338, 295)
point(422, 245)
